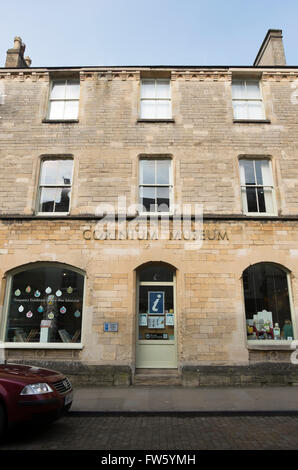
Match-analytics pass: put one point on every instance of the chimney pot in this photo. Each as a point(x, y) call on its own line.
point(15, 56)
point(28, 61)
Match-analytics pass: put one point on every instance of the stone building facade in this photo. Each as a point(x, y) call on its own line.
point(80, 147)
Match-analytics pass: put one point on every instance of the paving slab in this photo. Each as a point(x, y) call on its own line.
point(179, 399)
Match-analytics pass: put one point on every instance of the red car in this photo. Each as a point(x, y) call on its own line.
point(28, 392)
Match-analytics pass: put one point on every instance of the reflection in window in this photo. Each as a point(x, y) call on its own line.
point(156, 99)
point(156, 307)
point(155, 185)
point(64, 99)
point(45, 305)
point(247, 100)
point(267, 302)
point(256, 186)
point(55, 185)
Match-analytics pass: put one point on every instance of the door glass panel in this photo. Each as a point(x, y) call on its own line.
point(156, 313)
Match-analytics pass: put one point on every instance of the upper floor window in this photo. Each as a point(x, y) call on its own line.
point(156, 99)
point(155, 184)
point(55, 186)
point(257, 190)
point(64, 100)
point(247, 100)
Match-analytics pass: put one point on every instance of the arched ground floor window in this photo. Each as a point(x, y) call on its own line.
point(44, 304)
point(267, 302)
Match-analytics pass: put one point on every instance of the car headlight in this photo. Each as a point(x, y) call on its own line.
point(36, 389)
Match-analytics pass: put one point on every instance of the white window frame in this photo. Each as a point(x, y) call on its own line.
point(64, 100)
point(247, 100)
point(40, 186)
point(243, 187)
point(170, 186)
point(5, 312)
point(156, 98)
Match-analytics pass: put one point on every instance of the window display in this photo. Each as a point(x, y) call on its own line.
point(267, 303)
point(45, 306)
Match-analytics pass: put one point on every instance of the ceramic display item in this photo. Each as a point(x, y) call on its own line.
point(58, 293)
point(29, 314)
point(77, 314)
point(21, 308)
point(51, 316)
point(37, 293)
point(62, 310)
point(69, 290)
point(17, 293)
point(28, 289)
point(48, 290)
point(40, 309)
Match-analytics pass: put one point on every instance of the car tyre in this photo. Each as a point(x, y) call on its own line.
point(3, 420)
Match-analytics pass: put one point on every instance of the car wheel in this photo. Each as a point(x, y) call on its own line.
point(3, 421)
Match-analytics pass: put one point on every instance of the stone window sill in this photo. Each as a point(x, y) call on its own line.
point(267, 345)
point(252, 121)
point(13, 345)
point(60, 121)
point(155, 120)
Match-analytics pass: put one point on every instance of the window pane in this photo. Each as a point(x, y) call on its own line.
point(163, 110)
point(163, 171)
point(162, 89)
point(49, 172)
point(255, 110)
point(269, 200)
point(251, 199)
point(64, 171)
point(148, 89)
point(238, 90)
point(266, 301)
point(147, 196)
point(261, 200)
point(156, 272)
point(47, 200)
point(71, 110)
point(148, 109)
point(48, 296)
point(163, 199)
point(158, 327)
point(72, 90)
point(147, 175)
point(62, 200)
point(240, 110)
point(58, 90)
point(253, 90)
point(249, 174)
point(56, 110)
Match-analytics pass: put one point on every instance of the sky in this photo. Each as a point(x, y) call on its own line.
point(146, 32)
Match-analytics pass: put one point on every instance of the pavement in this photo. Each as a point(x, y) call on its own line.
point(217, 400)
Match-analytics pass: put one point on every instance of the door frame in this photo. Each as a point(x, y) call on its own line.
point(173, 343)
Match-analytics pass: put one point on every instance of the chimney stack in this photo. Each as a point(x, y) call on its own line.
point(15, 56)
point(272, 50)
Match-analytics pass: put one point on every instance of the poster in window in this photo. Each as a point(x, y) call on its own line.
point(156, 301)
point(156, 322)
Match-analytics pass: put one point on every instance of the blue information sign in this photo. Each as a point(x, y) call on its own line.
point(156, 302)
